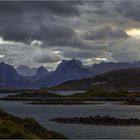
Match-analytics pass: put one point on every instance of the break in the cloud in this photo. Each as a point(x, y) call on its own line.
point(45, 56)
point(45, 32)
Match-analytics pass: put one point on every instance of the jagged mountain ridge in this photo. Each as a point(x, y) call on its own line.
point(67, 70)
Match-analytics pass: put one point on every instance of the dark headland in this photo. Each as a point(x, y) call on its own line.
point(12, 127)
point(98, 120)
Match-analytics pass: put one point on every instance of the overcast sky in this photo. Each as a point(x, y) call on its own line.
point(43, 33)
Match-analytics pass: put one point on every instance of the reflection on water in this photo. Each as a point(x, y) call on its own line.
point(6, 94)
point(43, 113)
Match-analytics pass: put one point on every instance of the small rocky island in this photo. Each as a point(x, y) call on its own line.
point(98, 120)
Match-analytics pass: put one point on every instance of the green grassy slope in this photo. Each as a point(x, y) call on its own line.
point(33, 95)
point(16, 128)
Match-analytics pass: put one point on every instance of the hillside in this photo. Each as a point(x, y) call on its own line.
point(33, 95)
point(126, 78)
point(110, 66)
point(16, 128)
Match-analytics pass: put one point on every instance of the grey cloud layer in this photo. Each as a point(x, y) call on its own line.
point(82, 29)
point(65, 8)
point(130, 9)
point(105, 33)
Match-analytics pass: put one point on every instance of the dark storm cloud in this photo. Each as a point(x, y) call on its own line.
point(65, 8)
point(53, 32)
point(26, 34)
point(16, 33)
point(77, 54)
point(10, 7)
point(21, 20)
point(73, 42)
point(105, 33)
point(130, 9)
point(82, 29)
point(61, 7)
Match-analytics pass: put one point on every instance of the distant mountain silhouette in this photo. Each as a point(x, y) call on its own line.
point(10, 79)
point(41, 73)
point(73, 69)
point(25, 70)
point(66, 70)
point(109, 66)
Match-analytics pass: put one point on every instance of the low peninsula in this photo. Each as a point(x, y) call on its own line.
point(98, 120)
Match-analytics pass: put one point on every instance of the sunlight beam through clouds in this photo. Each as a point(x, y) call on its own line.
point(2, 41)
point(133, 32)
point(101, 59)
point(1, 56)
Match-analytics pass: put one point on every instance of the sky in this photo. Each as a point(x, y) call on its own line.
point(38, 33)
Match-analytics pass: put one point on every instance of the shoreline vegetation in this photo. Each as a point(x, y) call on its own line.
point(14, 90)
point(42, 96)
point(65, 103)
point(98, 120)
point(12, 127)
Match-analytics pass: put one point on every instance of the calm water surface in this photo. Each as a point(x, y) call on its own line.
point(6, 94)
point(42, 113)
point(67, 92)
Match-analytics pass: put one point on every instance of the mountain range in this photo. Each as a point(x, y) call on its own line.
point(67, 70)
point(109, 66)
